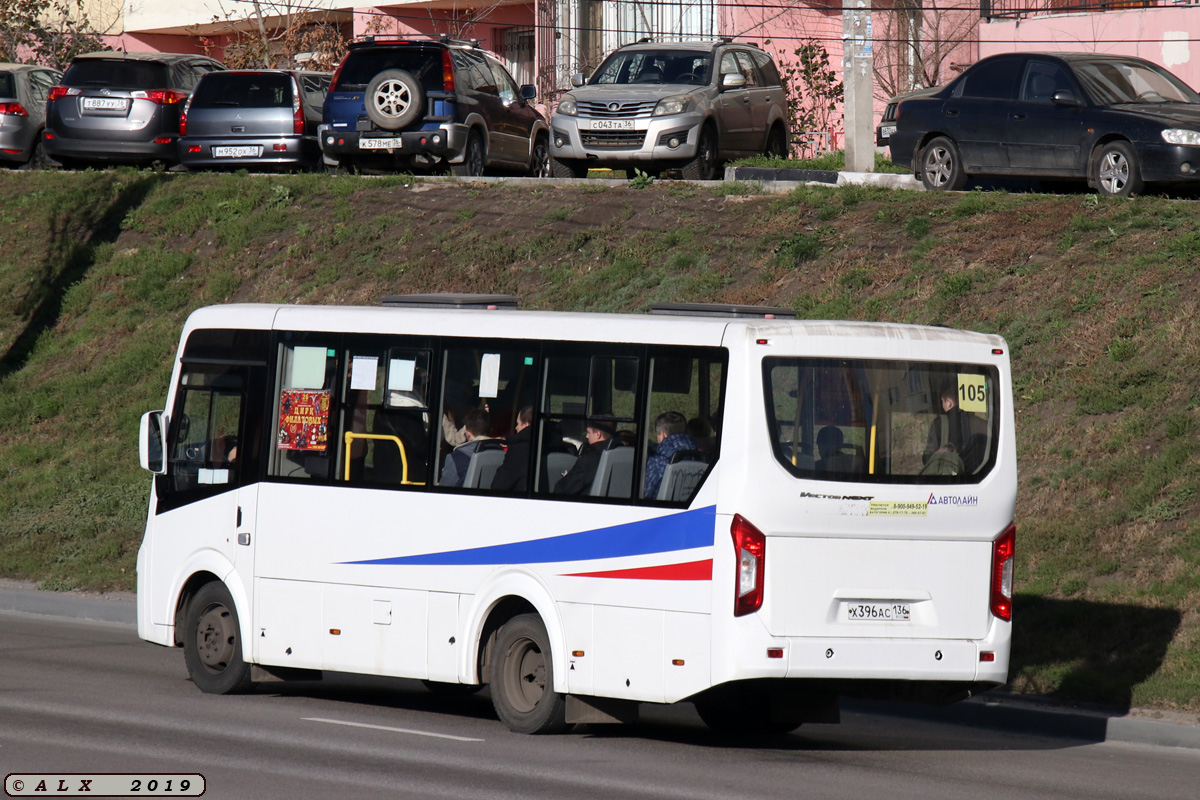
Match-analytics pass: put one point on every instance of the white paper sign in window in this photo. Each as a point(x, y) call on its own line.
point(362, 373)
point(308, 368)
point(489, 375)
point(401, 374)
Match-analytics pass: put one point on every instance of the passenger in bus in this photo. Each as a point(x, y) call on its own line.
point(578, 479)
point(830, 448)
point(702, 433)
point(955, 431)
point(513, 473)
point(476, 425)
point(671, 429)
point(224, 451)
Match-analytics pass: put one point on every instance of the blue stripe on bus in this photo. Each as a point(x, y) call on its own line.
point(684, 531)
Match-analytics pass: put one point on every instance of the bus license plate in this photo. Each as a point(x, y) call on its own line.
point(378, 144)
point(612, 125)
point(244, 151)
point(878, 612)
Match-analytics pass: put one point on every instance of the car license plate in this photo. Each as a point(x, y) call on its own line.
point(104, 103)
point(244, 151)
point(887, 130)
point(878, 612)
point(612, 125)
point(379, 144)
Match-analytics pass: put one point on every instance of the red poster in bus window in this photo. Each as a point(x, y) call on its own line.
point(303, 419)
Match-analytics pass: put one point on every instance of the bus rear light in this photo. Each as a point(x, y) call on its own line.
point(750, 547)
point(1002, 572)
point(987, 657)
point(774, 652)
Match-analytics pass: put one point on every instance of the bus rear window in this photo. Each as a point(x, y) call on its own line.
point(882, 421)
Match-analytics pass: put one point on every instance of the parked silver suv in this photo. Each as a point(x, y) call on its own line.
point(677, 105)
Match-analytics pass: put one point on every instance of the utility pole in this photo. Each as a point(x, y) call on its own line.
point(858, 79)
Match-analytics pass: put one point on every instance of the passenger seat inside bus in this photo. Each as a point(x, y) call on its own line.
point(682, 475)
point(614, 475)
point(557, 465)
point(481, 469)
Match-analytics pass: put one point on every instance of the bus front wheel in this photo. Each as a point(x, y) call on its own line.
point(523, 678)
point(212, 642)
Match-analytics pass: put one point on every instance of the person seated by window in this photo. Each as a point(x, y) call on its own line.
point(829, 447)
point(513, 473)
point(578, 479)
point(671, 429)
point(224, 451)
point(702, 433)
point(956, 431)
point(476, 426)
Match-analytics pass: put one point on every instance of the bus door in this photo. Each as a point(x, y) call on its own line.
point(212, 464)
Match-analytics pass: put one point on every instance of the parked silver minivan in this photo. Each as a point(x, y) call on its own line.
point(662, 105)
point(260, 118)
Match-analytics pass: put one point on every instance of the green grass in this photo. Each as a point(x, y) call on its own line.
point(1096, 298)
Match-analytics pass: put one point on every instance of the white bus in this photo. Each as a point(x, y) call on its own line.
point(835, 518)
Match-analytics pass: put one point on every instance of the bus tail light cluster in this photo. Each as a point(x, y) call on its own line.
point(750, 547)
point(1002, 572)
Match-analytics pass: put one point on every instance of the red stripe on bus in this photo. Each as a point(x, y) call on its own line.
point(691, 571)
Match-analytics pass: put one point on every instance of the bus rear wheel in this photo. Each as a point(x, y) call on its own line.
point(523, 678)
point(212, 642)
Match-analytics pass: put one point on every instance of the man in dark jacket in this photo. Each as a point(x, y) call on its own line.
point(579, 477)
point(476, 426)
point(513, 474)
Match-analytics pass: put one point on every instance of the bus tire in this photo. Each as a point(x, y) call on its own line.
point(212, 642)
point(747, 711)
point(523, 679)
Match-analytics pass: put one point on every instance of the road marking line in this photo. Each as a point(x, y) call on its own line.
point(393, 730)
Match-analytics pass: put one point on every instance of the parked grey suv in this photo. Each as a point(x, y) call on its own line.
point(260, 118)
point(121, 107)
point(23, 92)
point(682, 105)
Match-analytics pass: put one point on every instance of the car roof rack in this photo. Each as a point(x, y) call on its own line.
point(395, 38)
point(722, 310)
point(488, 302)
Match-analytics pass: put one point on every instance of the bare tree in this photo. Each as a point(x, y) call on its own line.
point(916, 40)
point(277, 34)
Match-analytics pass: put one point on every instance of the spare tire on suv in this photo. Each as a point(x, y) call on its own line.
point(437, 104)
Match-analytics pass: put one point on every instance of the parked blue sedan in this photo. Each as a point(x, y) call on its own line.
point(1117, 121)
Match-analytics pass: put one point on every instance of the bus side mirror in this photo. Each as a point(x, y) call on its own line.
point(152, 442)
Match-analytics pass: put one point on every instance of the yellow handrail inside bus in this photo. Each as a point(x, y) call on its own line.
point(404, 481)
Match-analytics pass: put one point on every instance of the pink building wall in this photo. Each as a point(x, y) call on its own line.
point(1160, 35)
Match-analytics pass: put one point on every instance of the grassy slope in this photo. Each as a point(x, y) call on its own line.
point(1098, 300)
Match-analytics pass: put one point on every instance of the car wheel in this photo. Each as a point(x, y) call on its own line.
point(1115, 170)
point(568, 169)
point(539, 166)
point(473, 158)
point(37, 156)
point(522, 682)
point(941, 167)
point(703, 165)
point(777, 143)
point(212, 642)
point(395, 99)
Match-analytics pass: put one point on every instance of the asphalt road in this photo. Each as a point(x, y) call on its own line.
point(85, 696)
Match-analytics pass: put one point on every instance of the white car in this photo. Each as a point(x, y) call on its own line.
point(680, 105)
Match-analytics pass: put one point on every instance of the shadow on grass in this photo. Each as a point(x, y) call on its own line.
point(1091, 652)
point(77, 225)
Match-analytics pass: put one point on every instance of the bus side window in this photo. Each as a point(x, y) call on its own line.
point(304, 431)
point(483, 390)
point(386, 422)
point(682, 422)
point(206, 427)
point(583, 392)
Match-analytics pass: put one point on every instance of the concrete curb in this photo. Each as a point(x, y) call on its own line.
point(782, 181)
point(995, 710)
